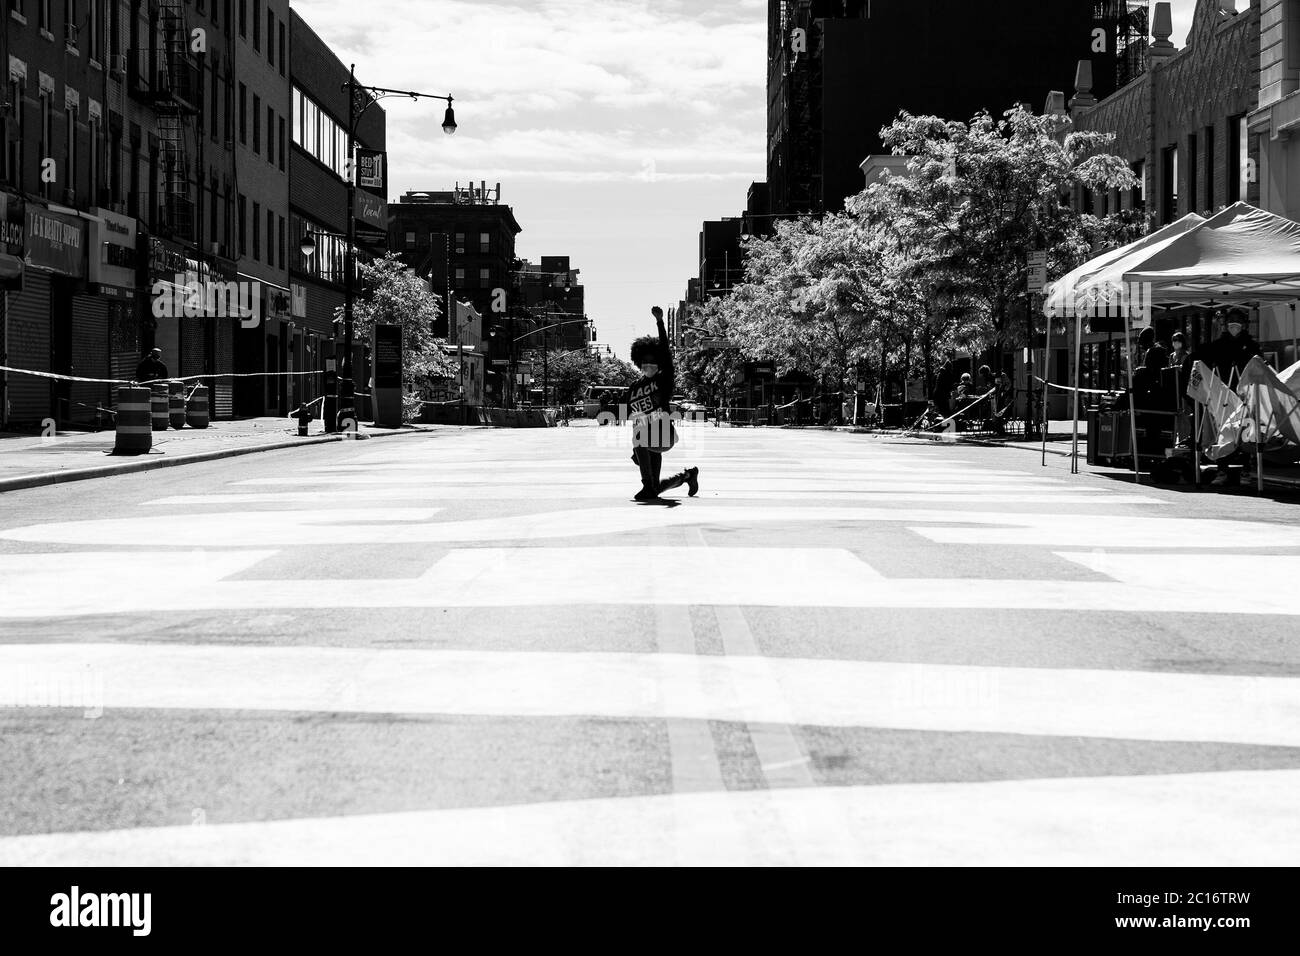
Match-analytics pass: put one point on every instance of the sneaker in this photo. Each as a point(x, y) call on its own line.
point(693, 481)
point(645, 495)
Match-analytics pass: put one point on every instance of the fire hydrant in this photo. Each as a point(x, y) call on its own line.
point(303, 414)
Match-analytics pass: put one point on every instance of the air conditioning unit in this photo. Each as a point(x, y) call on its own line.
point(117, 64)
point(218, 249)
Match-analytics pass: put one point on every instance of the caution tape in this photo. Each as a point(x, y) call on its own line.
point(1089, 391)
point(152, 381)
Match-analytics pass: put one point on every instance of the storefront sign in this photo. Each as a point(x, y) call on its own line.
point(56, 242)
point(13, 221)
point(114, 237)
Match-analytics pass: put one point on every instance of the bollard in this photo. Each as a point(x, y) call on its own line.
point(196, 409)
point(158, 406)
point(176, 404)
point(134, 434)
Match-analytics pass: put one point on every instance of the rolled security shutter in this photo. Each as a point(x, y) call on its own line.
point(29, 348)
point(223, 360)
point(90, 356)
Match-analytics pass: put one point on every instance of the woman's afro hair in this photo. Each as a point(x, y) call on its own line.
point(645, 349)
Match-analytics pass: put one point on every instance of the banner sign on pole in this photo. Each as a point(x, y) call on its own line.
point(370, 170)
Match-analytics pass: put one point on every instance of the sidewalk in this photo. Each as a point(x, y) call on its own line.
point(29, 461)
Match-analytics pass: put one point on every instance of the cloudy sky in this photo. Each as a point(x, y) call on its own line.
point(613, 126)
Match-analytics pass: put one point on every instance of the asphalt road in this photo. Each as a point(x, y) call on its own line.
point(472, 646)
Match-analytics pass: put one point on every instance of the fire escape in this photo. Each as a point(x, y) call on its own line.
point(1127, 23)
point(167, 76)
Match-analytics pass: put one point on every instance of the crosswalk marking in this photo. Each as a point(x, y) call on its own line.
point(1136, 705)
point(970, 494)
point(391, 525)
point(1155, 820)
point(61, 585)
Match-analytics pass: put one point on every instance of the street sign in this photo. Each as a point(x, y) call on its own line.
point(713, 344)
point(1037, 270)
point(501, 361)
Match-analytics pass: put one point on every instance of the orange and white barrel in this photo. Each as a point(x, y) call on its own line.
point(134, 432)
point(176, 404)
point(196, 409)
point(158, 406)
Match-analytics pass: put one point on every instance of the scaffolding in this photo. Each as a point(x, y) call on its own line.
point(1126, 24)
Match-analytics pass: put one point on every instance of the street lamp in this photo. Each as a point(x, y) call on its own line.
point(347, 387)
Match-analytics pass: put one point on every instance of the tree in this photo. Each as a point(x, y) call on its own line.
point(979, 196)
point(571, 372)
point(393, 293)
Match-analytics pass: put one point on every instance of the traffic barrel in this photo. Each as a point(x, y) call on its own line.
point(134, 434)
point(176, 404)
point(158, 406)
point(196, 409)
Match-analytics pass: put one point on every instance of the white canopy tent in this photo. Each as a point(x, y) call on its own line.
point(1097, 288)
point(1240, 255)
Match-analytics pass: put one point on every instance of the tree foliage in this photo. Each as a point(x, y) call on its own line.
point(392, 293)
point(925, 261)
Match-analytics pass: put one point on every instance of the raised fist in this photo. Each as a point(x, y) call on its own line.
point(657, 312)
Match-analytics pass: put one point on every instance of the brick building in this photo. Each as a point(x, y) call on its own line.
point(318, 204)
point(147, 149)
point(1183, 127)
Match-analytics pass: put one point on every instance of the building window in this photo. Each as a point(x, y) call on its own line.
point(410, 239)
point(44, 7)
point(243, 233)
point(257, 230)
point(319, 136)
point(45, 137)
point(96, 158)
point(281, 142)
point(484, 278)
point(16, 127)
point(212, 198)
point(460, 278)
point(281, 244)
point(1236, 158)
point(460, 243)
point(70, 163)
point(1138, 197)
point(270, 37)
point(95, 25)
point(270, 237)
point(1209, 168)
point(257, 25)
point(1169, 184)
point(70, 23)
point(270, 136)
point(243, 18)
point(257, 123)
point(1193, 172)
point(243, 114)
point(282, 57)
point(484, 242)
point(213, 101)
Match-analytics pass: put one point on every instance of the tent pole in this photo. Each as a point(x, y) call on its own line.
point(1132, 409)
point(1295, 356)
point(1078, 353)
point(1047, 374)
point(1196, 443)
point(1259, 444)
